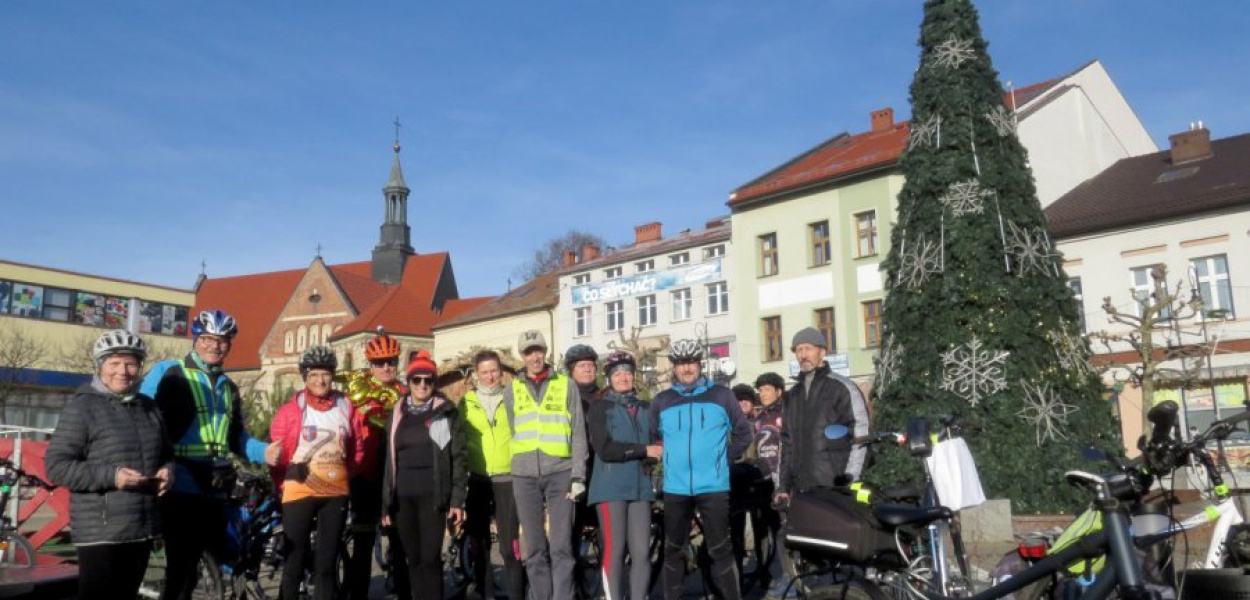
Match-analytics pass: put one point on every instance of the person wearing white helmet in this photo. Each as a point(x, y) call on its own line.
point(110, 451)
point(203, 414)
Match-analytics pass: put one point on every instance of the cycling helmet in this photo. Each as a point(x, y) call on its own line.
point(772, 379)
point(214, 322)
point(685, 351)
point(578, 353)
point(118, 341)
point(619, 360)
point(317, 357)
point(744, 391)
point(381, 346)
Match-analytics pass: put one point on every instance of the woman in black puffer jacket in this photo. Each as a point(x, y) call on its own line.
point(109, 449)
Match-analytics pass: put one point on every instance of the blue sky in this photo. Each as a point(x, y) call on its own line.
point(137, 138)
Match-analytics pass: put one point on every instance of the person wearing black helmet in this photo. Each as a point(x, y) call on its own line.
point(767, 444)
point(744, 477)
point(582, 364)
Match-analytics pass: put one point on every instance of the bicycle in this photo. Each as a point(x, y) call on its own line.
point(15, 550)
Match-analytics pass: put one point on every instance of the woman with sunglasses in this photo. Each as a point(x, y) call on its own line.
point(425, 476)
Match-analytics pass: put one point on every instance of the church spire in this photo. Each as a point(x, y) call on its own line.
point(394, 245)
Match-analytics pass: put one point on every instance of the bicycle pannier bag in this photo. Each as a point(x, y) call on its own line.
point(833, 524)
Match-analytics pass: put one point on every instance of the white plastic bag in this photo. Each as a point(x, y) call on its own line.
point(955, 475)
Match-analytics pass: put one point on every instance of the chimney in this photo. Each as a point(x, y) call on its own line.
point(570, 258)
point(589, 252)
point(1192, 145)
point(882, 120)
point(647, 233)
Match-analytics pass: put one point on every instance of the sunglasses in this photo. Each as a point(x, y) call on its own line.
point(392, 362)
point(422, 381)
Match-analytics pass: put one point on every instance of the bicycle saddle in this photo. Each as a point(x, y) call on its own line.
point(896, 515)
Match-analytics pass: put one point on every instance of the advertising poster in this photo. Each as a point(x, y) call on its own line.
point(179, 320)
point(6, 291)
point(89, 309)
point(646, 283)
point(27, 300)
point(151, 315)
point(115, 312)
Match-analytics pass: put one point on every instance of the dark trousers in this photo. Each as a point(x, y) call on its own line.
point(713, 512)
point(366, 507)
point(489, 499)
point(112, 570)
point(421, 528)
point(193, 524)
point(328, 516)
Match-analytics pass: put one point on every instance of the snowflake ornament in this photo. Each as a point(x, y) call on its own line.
point(953, 52)
point(1069, 349)
point(1003, 120)
point(887, 361)
point(918, 262)
point(924, 134)
point(972, 372)
point(965, 197)
point(1030, 246)
point(1044, 409)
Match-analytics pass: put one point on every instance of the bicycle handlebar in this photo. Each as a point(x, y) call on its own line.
point(23, 475)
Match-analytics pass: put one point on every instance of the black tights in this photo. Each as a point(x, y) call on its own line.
point(328, 515)
point(421, 527)
point(112, 570)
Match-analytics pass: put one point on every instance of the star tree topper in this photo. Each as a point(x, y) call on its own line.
point(973, 372)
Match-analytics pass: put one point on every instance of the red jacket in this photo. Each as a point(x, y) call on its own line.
point(286, 426)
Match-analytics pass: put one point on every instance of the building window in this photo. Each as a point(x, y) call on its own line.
point(872, 323)
point(646, 265)
point(818, 240)
point(301, 338)
point(1144, 289)
point(682, 305)
point(57, 304)
point(772, 339)
point(1074, 284)
point(824, 323)
point(718, 298)
point(716, 251)
point(616, 315)
point(677, 260)
point(768, 254)
point(613, 273)
point(288, 342)
point(646, 310)
point(582, 321)
point(866, 233)
point(326, 331)
point(314, 335)
point(1214, 285)
point(581, 279)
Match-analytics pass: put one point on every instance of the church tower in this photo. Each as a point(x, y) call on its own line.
point(394, 246)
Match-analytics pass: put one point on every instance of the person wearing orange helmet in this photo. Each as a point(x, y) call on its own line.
point(382, 352)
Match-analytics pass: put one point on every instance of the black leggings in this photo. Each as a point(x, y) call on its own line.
point(112, 570)
point(713, 512)
point(193, 524)
point(366, 506)
point(486, 499)
point(421, 528)
point(328, 515)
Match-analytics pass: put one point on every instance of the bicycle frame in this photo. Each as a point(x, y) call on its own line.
point(1226, 514)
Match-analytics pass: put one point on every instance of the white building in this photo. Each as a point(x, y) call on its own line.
point(656, 289)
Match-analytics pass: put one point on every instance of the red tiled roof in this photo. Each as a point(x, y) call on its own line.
point(847, 155)
point(257, 300)
point(541, 292)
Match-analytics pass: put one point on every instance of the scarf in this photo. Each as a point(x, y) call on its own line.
point(490, 399)
point(698, 387)
point(318, 403)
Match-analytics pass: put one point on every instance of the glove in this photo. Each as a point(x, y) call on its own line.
point(576, 489)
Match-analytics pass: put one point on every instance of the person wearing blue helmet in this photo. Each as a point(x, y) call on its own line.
point(203, 413)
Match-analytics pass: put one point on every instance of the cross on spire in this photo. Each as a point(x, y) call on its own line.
point(397, 126)
point(203, 267)
point(318, 249)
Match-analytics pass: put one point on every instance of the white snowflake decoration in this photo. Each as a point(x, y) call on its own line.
point(965, 197)
point(887, 362)
point(1003, 120)
point(1069, 350)
point(953, 52)
point(972, 372)
point(928, 133)
point(1031, 249)
point(1044, 409)
point(920, 260)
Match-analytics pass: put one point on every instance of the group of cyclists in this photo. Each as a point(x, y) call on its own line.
point(536, 456)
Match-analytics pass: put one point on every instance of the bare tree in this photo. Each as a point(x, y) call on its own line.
point(19, 351)
point(1159, 314)
point(551, 254)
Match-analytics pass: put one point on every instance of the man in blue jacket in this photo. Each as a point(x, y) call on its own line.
point(702, 431)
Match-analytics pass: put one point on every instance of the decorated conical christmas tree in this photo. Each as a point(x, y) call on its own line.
point(978, 320)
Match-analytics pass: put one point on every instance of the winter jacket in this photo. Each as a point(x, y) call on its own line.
point(809, 460)
point(290, 419)
point(97, 434)
point(703, 431)
point(537, 463)
point(167, 383)
point(767, 441)
point(617, 427)
point(451, 474)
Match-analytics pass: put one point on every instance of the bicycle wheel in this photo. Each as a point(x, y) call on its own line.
point(16, 552)
point(857, 589)
point(208, 585)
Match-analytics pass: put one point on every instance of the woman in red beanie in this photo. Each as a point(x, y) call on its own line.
point(426, 476)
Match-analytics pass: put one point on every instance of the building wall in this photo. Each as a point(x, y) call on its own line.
point(718, 329)
point(495, 333)
point(799, 289)
point(1079, 129)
